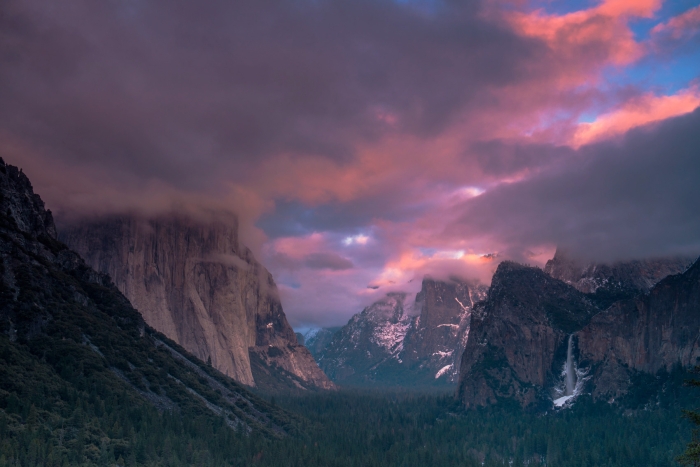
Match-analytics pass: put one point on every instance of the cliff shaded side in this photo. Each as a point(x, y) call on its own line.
point(365, 351)
point(516, 335)
point(437, 337)
point(653, 332)
point(614, 281)
point(537, 340)
point(77, 361)
point(198, 285)
point(402, 341)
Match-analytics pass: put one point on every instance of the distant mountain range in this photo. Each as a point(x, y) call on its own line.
point(205, 304)
point(535, 336)
point(402, 340)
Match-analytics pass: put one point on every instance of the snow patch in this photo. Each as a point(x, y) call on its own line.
point(311, 333)
point(443, 370)
point(563, 400)
point(464, 308)
point(390, 336)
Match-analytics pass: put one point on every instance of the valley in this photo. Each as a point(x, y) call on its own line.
point(531, 370)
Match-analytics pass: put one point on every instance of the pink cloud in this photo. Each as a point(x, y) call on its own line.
point(685, 24)
point(642, 110)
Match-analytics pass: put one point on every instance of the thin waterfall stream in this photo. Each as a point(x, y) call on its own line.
point(570, 370)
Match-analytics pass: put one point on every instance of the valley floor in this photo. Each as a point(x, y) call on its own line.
point(408, 429)
point(356, 428)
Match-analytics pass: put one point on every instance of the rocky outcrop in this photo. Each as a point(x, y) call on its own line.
point(538, 340)
point(404, 341)
point(517, 334)
point(653, 332)
point(196, 283)
point(614, 281)
point(437, 337)
point(371, 339)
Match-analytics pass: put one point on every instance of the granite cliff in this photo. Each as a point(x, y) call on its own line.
point(71, 343)
point(614, 281)
point(196, 283)
point(651, 333)
point(517, 334)
point(438, 335)
point(402, 340)
point(538, 340)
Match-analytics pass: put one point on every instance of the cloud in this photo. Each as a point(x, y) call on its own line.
point(638, 111)
point(195, 96)
point(332, 261)
point(685, 24)
point(637, 197)
point(345, 135)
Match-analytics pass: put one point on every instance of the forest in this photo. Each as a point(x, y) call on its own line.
point(91, 426)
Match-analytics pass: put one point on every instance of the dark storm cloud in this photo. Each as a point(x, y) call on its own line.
point(501, 159)
point(636, 197)
point(331, 261)
point(294, 218)
point(193, 93)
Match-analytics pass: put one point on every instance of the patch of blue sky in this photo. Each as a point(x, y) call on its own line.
point(289, 219)
point(429, 252)
point(588, 117)
point(641, 27)
point(561, 7)
point(551, 119)
point(667, 76)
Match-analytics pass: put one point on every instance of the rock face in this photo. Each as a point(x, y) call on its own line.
point(437, 337)
point(517, 334)
point(615, 281)
point(404, 341)
point(65, 327)
point(653, 332)
point(537, 339)
point(317, 339)
point(197, 284)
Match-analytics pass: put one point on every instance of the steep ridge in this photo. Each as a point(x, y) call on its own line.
point(614, 281)
point(371, 338)
point(195, 282)
point(71, 346)
point(437, 337)
point(538, 340)
point(397, 341)
point(317, 339)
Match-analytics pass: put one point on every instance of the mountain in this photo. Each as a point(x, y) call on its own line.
point(516, 335)
point(401, 340)
point(651, 333)
point(614, 281)
point(437, 336)
point(317, 339)
point(196, 283)
point(83, 379)
point(538, 340)
point(371, 338)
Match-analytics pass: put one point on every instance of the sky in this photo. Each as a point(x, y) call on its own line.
point(366, 144)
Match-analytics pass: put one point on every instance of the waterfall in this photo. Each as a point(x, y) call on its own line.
point(570, 370)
